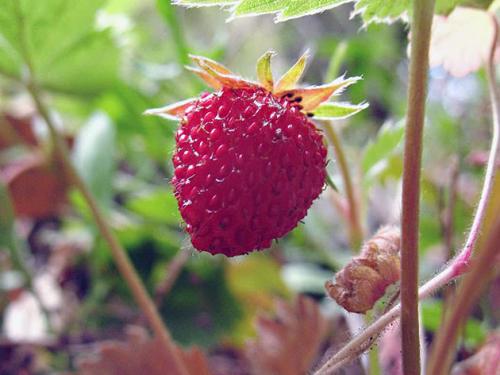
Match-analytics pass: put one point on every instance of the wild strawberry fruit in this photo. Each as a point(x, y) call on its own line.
point(248, 161)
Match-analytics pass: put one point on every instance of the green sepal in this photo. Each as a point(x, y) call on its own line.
point(337, 110)
point(264, 73)
point(290, 79)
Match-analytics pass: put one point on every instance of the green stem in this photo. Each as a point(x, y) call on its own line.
point(419, 65)
point(121, 258)
point(373, 354)
point(355, 229)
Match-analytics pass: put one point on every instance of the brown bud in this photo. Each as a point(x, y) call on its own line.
point(365, 278)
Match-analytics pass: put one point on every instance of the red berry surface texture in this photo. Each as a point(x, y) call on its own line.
point(248, 161)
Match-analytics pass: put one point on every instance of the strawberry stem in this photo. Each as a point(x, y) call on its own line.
point(457, 266)
point(120, 256)
point(419, 65)
point(467, 294)
point(355, 228)
point(471, 286)
point(462, 260)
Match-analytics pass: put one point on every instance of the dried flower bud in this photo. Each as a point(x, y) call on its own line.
point(365, 278)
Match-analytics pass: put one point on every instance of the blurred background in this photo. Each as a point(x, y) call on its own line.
point(100, 66)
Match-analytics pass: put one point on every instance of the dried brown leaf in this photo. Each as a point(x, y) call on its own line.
point(139, 355)
point(462, 41)
point(37, 187)
point(288, 343)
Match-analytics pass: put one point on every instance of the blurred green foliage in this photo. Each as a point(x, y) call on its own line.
point(101, 64)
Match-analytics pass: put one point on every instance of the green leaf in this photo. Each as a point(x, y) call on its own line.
point(93, 156)
point(388, 138)
point(299, 8)
point(56, 39)
point(432, 315)
point(201, 308)
point(381, 10)
point(286, 9)
point(201, 3)
point(6, 219)
point(158, 206)
point(370, 10)
point(337, 111)
point(257, 7)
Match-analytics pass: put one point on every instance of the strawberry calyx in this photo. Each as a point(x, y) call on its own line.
point(313, 101)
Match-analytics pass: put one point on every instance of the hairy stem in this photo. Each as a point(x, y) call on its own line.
point(467, 294)
point(121, 258)
point(355, 229)
point(446, 220)
point(373, 355)
point(419, 66)
point(469, 290)
point(462, 260)
point(458, 265)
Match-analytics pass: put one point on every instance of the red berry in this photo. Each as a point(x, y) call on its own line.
point(248, 165)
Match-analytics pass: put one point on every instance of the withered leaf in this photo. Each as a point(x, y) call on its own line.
point(37, 187)
point(288, 343)
point(140, 354)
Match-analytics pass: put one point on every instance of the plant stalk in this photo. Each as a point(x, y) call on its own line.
point(467, 294)
point(457, 266)
point(174, 269)
point(355, 228)
point(469, 290)
point(462, 261)
point(419, 65)
point(121, 258)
